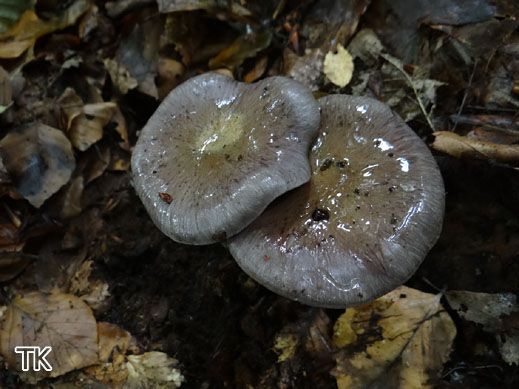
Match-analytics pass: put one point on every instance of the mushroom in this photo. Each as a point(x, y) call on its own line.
point(216, 152)
point(365, 221)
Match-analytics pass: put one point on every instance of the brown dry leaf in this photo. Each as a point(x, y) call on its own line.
point(95, 293)
point(468, 147)
point(59, 320)
point(40, 158)
point(153, 370)
point(72, 198)
point(6, 91)
point(493, 312)
point(401, 339)
point(338, 66)
point(83, 122)
point(22, 35)
point(114, 342)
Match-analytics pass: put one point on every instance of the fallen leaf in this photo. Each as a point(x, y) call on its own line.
point(120, 76)
point(245, 46)
point(11, 10)
point(61, 321)
point(338, 66)
point(491, 311)
point(170, 73)
point(114, 342)
point(94, 292)
point(6, 91)
point(39, 158)
point(257, 71)
point(72, 198)
point(466, 147)
point(22, 35)
point(306, 69)
point(153, 370)
point(401, 339)
point(83, 123)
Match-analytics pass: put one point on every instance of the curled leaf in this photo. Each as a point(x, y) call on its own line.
point(39, 159)
point(467, 147)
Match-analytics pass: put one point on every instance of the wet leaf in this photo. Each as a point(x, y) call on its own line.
point(467, 147)
point(22, 35)
point(39, 158)
point(153, 370)
point(246, 46)
point(491, 311)
point(338, 66)
point(61, 321)
point(401, 339)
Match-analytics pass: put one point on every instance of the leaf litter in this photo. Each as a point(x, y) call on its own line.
point(79, 79)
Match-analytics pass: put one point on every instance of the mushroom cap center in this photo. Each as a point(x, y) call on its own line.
point(220, 135)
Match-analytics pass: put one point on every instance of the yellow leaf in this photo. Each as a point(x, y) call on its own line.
point(401, 339)
point(61, 321)
point(22, 35)
point(338, 66)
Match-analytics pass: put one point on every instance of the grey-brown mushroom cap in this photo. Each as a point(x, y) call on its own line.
point(216, 152)
point(362, 225)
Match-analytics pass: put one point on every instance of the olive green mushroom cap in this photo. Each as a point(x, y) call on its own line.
point(217, 152)
point(362, 225)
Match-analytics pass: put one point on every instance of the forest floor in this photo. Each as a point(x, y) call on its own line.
point(83, 267)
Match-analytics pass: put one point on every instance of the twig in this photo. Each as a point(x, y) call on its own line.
point(465, 95)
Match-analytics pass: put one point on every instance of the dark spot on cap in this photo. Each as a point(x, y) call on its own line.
point(320, 214)
point(326, 164)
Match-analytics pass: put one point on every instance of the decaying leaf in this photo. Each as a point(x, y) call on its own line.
point(114, 343)
point(61, 321)
point(338, 66)
point(22, 35)
point(401, 339)
point(306, 69)
point(153, 370)
point(84, 123)
point(94, 292)
point(285, 345)
point(492, 311)
point(120, 76)
point(39, 158)
point(467, 147)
